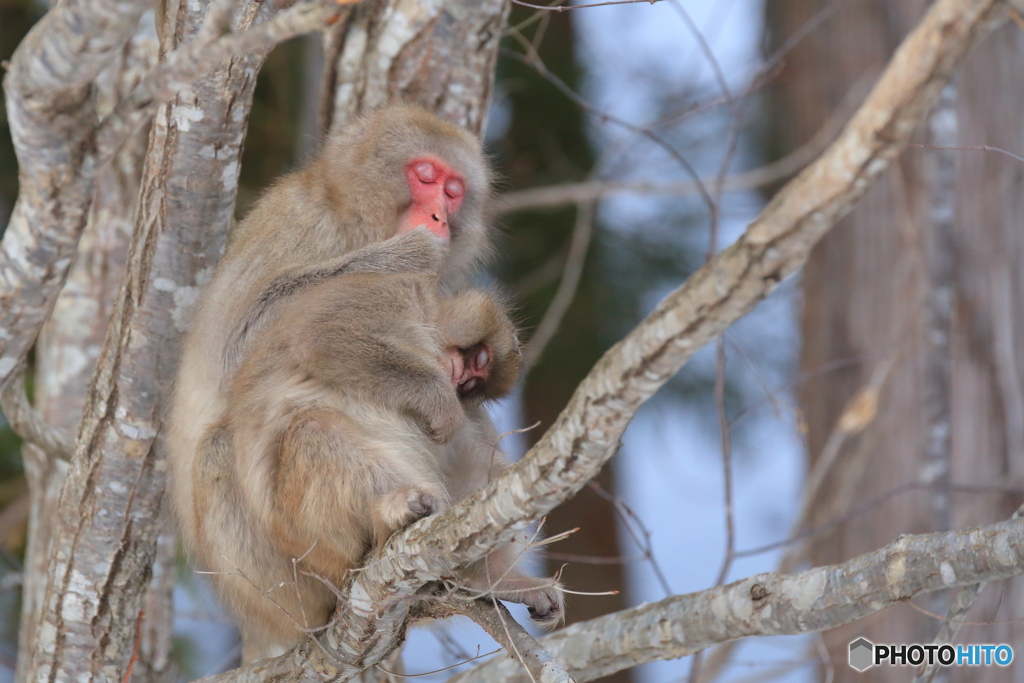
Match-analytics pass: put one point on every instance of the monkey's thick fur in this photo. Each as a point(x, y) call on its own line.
point(314, 413)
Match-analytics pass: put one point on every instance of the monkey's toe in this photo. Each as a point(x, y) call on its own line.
point(545, 605)
point(400, 508)
point(421, 504)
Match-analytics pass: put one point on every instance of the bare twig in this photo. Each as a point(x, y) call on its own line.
point(578, 247)
point(592, 190)
point(499, 624)
point(604, 116)
point(29, 424)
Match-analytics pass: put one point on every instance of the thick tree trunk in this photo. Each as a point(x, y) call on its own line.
point(70, 343)
point(440, 54)
point(109, 517)
point(919, 276)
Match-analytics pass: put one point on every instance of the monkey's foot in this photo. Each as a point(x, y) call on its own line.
point(401, 508)
point(470, 369)
point(545, 601)
point(546, 606)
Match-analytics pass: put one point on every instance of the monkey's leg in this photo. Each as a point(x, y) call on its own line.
point(498, 576)
point(346, 483)
point(474, 459)
point(250, 575)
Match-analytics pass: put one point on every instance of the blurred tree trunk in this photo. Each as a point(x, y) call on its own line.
point(924, 275)
point(546, 143)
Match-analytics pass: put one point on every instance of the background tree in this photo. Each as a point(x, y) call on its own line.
point(910, 298)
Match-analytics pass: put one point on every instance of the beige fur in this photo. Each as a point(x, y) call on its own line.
point(316, 410)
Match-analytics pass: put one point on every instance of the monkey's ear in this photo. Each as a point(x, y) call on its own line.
point(416, 251)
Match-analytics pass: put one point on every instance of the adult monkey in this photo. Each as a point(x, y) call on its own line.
point(359, 207)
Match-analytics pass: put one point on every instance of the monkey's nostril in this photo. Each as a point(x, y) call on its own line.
point(435, 217)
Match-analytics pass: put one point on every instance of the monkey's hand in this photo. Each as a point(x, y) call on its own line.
point(546, 605)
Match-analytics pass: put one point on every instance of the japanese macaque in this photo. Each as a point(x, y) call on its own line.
point(329, 388)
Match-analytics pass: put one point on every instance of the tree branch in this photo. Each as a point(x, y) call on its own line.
point(775, 604)
point(372, 623)
point(201, 56)
point(29, 424)
point(52, 116)
point(494, 618)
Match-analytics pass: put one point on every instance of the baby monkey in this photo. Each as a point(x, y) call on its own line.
point(329, 390)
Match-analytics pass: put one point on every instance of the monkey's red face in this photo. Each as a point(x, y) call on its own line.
point(437, 193)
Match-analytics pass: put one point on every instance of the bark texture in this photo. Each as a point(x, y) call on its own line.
point(440, 54)
point(775, 604)
point(920, 275)
point(70, 342)
point(110, 512)
point(52, 117)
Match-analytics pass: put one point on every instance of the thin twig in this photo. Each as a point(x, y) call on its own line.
point(543, 71)
point(559, 306)
point(972, 148)
point(491, 616)
point(591, 190)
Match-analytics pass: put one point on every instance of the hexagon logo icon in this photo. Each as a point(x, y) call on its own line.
point(862, 654)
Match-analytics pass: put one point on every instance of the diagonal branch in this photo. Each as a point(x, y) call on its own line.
point(372, 623)
point(587, 433)
point(775, 604)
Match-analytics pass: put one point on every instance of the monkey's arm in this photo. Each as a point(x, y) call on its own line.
point(418, 251)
